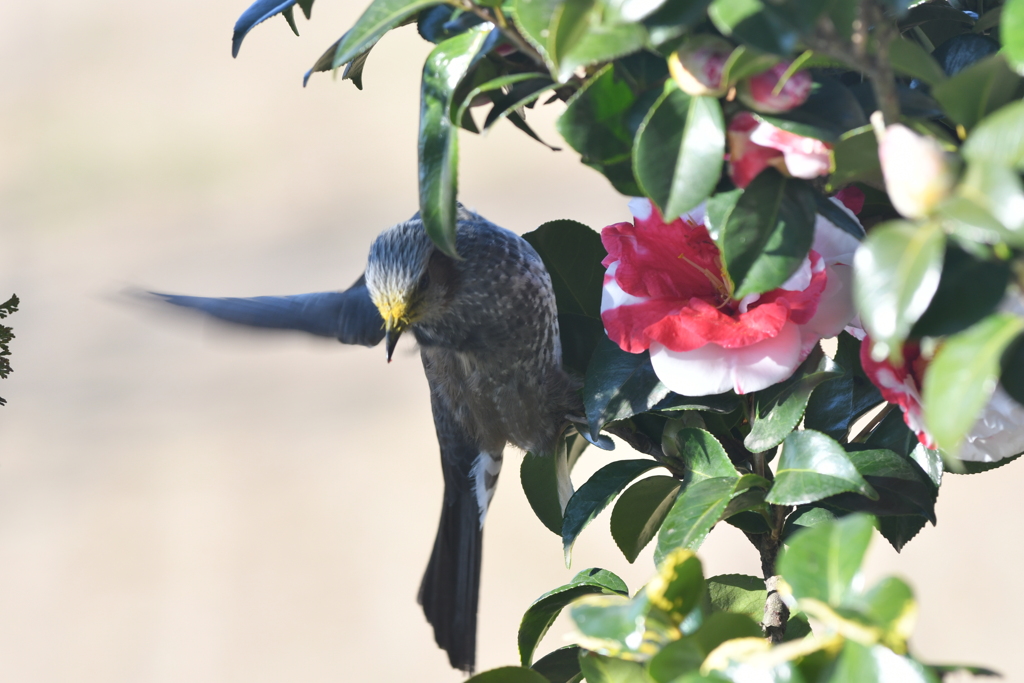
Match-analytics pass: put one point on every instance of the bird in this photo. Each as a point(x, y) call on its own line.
point(486, 324)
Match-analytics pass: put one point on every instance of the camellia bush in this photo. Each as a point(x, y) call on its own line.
point(801, 170)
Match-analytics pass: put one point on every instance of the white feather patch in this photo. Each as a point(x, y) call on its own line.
point(485, 467)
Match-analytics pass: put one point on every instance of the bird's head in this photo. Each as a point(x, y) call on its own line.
point(407, 278)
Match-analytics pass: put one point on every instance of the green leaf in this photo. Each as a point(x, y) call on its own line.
point(545, 609)
point(714, 403)
point(677, 589)
point(379, 18)
point(561, 665)
point(444, 69)
point(508, 674)
point(1011, 32)
point(998, 194)
point(858, 663)
point(978, 90)
point(780, 408)
point(888, 602)
point(260, 11)
point(595, 495)
point(678, 151)
point(842, 220)
point(572, 255)
point(697, 509)
point(807, 517)
point(719, 627)
point(594, 120)
point(903, 487)
point(896, 272)
point(963, 375)
point(856, 159)
point(601, 41)
point(619, 385)
point(999, 138)
point(639, 512)
point(812, 467)
point(824, 562)
point(750, 22)
point(940, 669)
point(768, 234)
point(678, 657)
point(910, 59)
point(900, 530)
point(601, 669)
point(835, 405)
point(522, 94)
point(738, 593)
point(970, 288)
point(547, 486)
point(700, 453)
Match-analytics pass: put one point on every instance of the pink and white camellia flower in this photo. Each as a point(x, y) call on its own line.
point(762, 93)
point(755, 145)
point(665, 290)
point(998, 432)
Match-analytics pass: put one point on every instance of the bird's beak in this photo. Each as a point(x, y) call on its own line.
point(391, 335)
point(396, 319)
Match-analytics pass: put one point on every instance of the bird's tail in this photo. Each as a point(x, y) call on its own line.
point(451, 585)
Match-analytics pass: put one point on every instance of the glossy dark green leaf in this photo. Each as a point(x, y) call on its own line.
point(903, 487)
point(780, 408)
point(572, 254)
point(974, 467)
point(508, 674)
point(941, 669)
point(596, 494)
point(900, 530)
point(824, 562)
point(858, 663)
point(893, 434)
point(808, 517)
point(856, 159)
point(830, 112)
point(438, 137)
point(978, 90)
point(678, 152)
point(835, 215)
point(600, 41)
point(970, 289)
point(619, 385)
point(910, 59)
point(520, 95)
point(601, 669)
point(639, 512)
point(700, 453)
point(963, 375)
point(896, 272)
point(836, 404)
point(594, 120)
point(379, 18)
point(812, 467)
point(260, 11)
point(738, 593)
point(768, 234)
point(545, 609)
point(698, 508)
point(561, 665)
point(546, 483)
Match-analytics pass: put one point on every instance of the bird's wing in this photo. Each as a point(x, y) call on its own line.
point(348, 316)
point(450, 589)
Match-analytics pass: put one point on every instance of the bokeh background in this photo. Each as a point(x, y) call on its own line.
point(184, 503)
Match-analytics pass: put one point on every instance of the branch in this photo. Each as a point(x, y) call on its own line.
point(776, 613)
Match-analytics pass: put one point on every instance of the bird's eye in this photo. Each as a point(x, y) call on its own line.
point(424, 282)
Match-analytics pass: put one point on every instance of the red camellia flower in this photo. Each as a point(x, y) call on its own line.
point(755, 144)
point(762, 93)
point(665, 290)
point(997, 434)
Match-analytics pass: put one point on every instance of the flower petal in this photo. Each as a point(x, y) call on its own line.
point(712, 369)
point(998, 433)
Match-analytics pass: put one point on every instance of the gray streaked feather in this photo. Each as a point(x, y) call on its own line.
point(348, 316)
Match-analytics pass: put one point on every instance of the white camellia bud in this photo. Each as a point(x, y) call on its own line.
point(697, 66)
point(918, 172)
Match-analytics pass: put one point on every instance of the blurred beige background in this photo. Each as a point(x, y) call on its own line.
point(178, 503)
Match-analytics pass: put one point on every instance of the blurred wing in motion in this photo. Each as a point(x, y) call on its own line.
point(349, 316)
